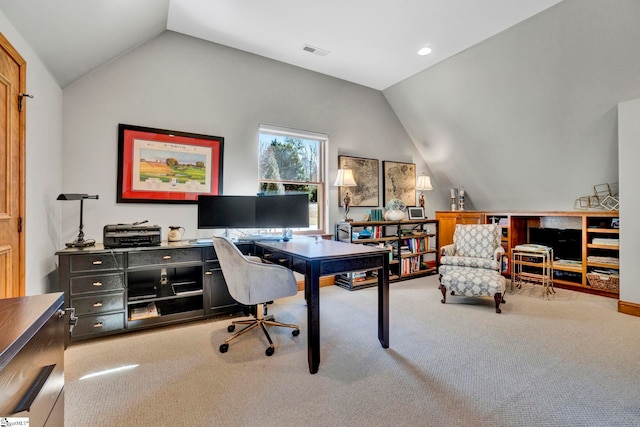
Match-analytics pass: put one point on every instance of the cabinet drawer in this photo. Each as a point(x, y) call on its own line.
point(102, 283)
point(97, 304)
point(161, 257)
point(96, 262)
point(98, 324)
point(209, 254)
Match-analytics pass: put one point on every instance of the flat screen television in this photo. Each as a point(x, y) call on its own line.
point(566, 243)
point(282, 211)
point(226, 211)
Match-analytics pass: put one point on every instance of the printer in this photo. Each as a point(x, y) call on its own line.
point(131, 235)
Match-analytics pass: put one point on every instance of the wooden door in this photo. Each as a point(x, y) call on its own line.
point(12, 168)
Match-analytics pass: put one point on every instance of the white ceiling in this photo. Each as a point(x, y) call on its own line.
point(370, 42)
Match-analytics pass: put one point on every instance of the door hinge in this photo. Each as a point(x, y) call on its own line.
point(20, 225)
point(21, 98)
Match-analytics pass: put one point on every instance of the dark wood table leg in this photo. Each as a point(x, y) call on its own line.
point(383, 303)
point(312, 281)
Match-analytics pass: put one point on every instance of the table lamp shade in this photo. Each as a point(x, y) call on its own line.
point(345, 178)
point(423, 183)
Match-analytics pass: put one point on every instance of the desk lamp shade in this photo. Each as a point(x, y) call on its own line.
point(423, 184)
point(345, 179)
point(80, 241)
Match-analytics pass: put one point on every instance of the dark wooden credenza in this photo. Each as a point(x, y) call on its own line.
point(110, 289)
point(32, 359)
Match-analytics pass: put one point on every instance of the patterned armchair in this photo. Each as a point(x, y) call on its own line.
point(474, 246)
point(471, 265)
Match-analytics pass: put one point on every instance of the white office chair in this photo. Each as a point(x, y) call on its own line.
point(251, 283)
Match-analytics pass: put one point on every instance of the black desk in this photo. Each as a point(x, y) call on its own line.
point(318, 257)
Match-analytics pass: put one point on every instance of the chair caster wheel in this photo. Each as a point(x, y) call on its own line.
point(224, 348)
point(231, 328)
point(269, 351)
point(295, 332)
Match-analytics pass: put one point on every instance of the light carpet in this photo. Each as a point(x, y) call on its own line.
point(572, 361)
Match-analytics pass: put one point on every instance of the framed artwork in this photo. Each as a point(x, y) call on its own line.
point(166, 166)
point(399, 182)
point(365, 172)
point(416, 212)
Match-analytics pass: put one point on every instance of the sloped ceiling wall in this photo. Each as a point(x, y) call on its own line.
point(527, 120)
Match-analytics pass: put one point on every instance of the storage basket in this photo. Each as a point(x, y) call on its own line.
point(604, 281)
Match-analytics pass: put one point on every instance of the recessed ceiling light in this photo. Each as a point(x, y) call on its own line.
point(424, 51)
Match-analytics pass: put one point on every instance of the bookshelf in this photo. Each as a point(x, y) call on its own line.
point(412, 248)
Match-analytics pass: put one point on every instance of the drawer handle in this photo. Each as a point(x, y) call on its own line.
point(97, 304)
point(97, 325)
point(166, 257)
point(97, 262)
point(97, 283)
point(208, 273)
point(30, 396)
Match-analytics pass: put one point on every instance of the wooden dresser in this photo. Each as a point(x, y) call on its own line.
point(32, 359)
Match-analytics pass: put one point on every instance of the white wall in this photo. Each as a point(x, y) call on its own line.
point(181, 83)
point(43, 174)
point(527, 119)
point(629, 151)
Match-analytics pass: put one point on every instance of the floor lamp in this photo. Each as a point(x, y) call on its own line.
point(345, 179)
point(423, 184)
point(80, 242)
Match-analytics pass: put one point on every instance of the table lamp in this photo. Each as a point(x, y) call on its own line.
point(345, 179)
point(80, 242)
point(423, 184)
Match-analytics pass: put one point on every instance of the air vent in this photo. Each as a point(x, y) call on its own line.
point(315, 50)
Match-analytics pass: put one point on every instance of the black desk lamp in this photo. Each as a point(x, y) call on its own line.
point(79, 242)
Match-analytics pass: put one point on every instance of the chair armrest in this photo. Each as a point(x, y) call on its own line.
point(498, 254)
point(448, 250)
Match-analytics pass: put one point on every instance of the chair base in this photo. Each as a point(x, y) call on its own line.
point(259, 321)
point(474, 282)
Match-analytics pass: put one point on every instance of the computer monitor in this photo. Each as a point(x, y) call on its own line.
point(282, 211)
point(226, 211)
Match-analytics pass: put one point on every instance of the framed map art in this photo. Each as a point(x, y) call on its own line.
point(365, 172)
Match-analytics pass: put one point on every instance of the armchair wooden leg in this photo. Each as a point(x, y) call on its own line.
point(444, 294)
point(498, 299)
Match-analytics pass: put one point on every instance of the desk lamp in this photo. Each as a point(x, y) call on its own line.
point(345, 179)
point(80, 242)
point(423, 184)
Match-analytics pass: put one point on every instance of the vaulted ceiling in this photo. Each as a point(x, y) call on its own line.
point(369, 42)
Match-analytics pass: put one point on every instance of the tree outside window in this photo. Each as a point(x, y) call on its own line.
point(290, 164)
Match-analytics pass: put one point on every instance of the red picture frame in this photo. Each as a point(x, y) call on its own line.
point(166, 166)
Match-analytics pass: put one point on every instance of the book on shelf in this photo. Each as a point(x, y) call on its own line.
point(605, 241)
point(148, 311)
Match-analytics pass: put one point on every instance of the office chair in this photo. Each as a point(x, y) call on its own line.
point(251, 283)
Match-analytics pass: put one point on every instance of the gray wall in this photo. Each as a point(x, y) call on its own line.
point(629, 149)
point(528, 118)
point(181, 83)
point(43, 171)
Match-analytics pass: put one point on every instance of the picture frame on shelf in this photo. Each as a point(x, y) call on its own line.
point(366, 193)
point(415, 212)
point(166, 166)
point(399, 182)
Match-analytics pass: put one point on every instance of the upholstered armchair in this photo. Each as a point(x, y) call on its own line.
point(474, 246)
point(471, 265)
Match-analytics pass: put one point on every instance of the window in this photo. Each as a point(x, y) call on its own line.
point(292, 161)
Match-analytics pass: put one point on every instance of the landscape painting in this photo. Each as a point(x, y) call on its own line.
point(166, 166)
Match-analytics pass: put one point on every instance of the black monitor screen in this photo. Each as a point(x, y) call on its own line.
point(282, 211)
point(226, 211)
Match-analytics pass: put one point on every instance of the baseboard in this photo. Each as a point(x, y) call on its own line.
point(631, 308)
point(324, 281)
